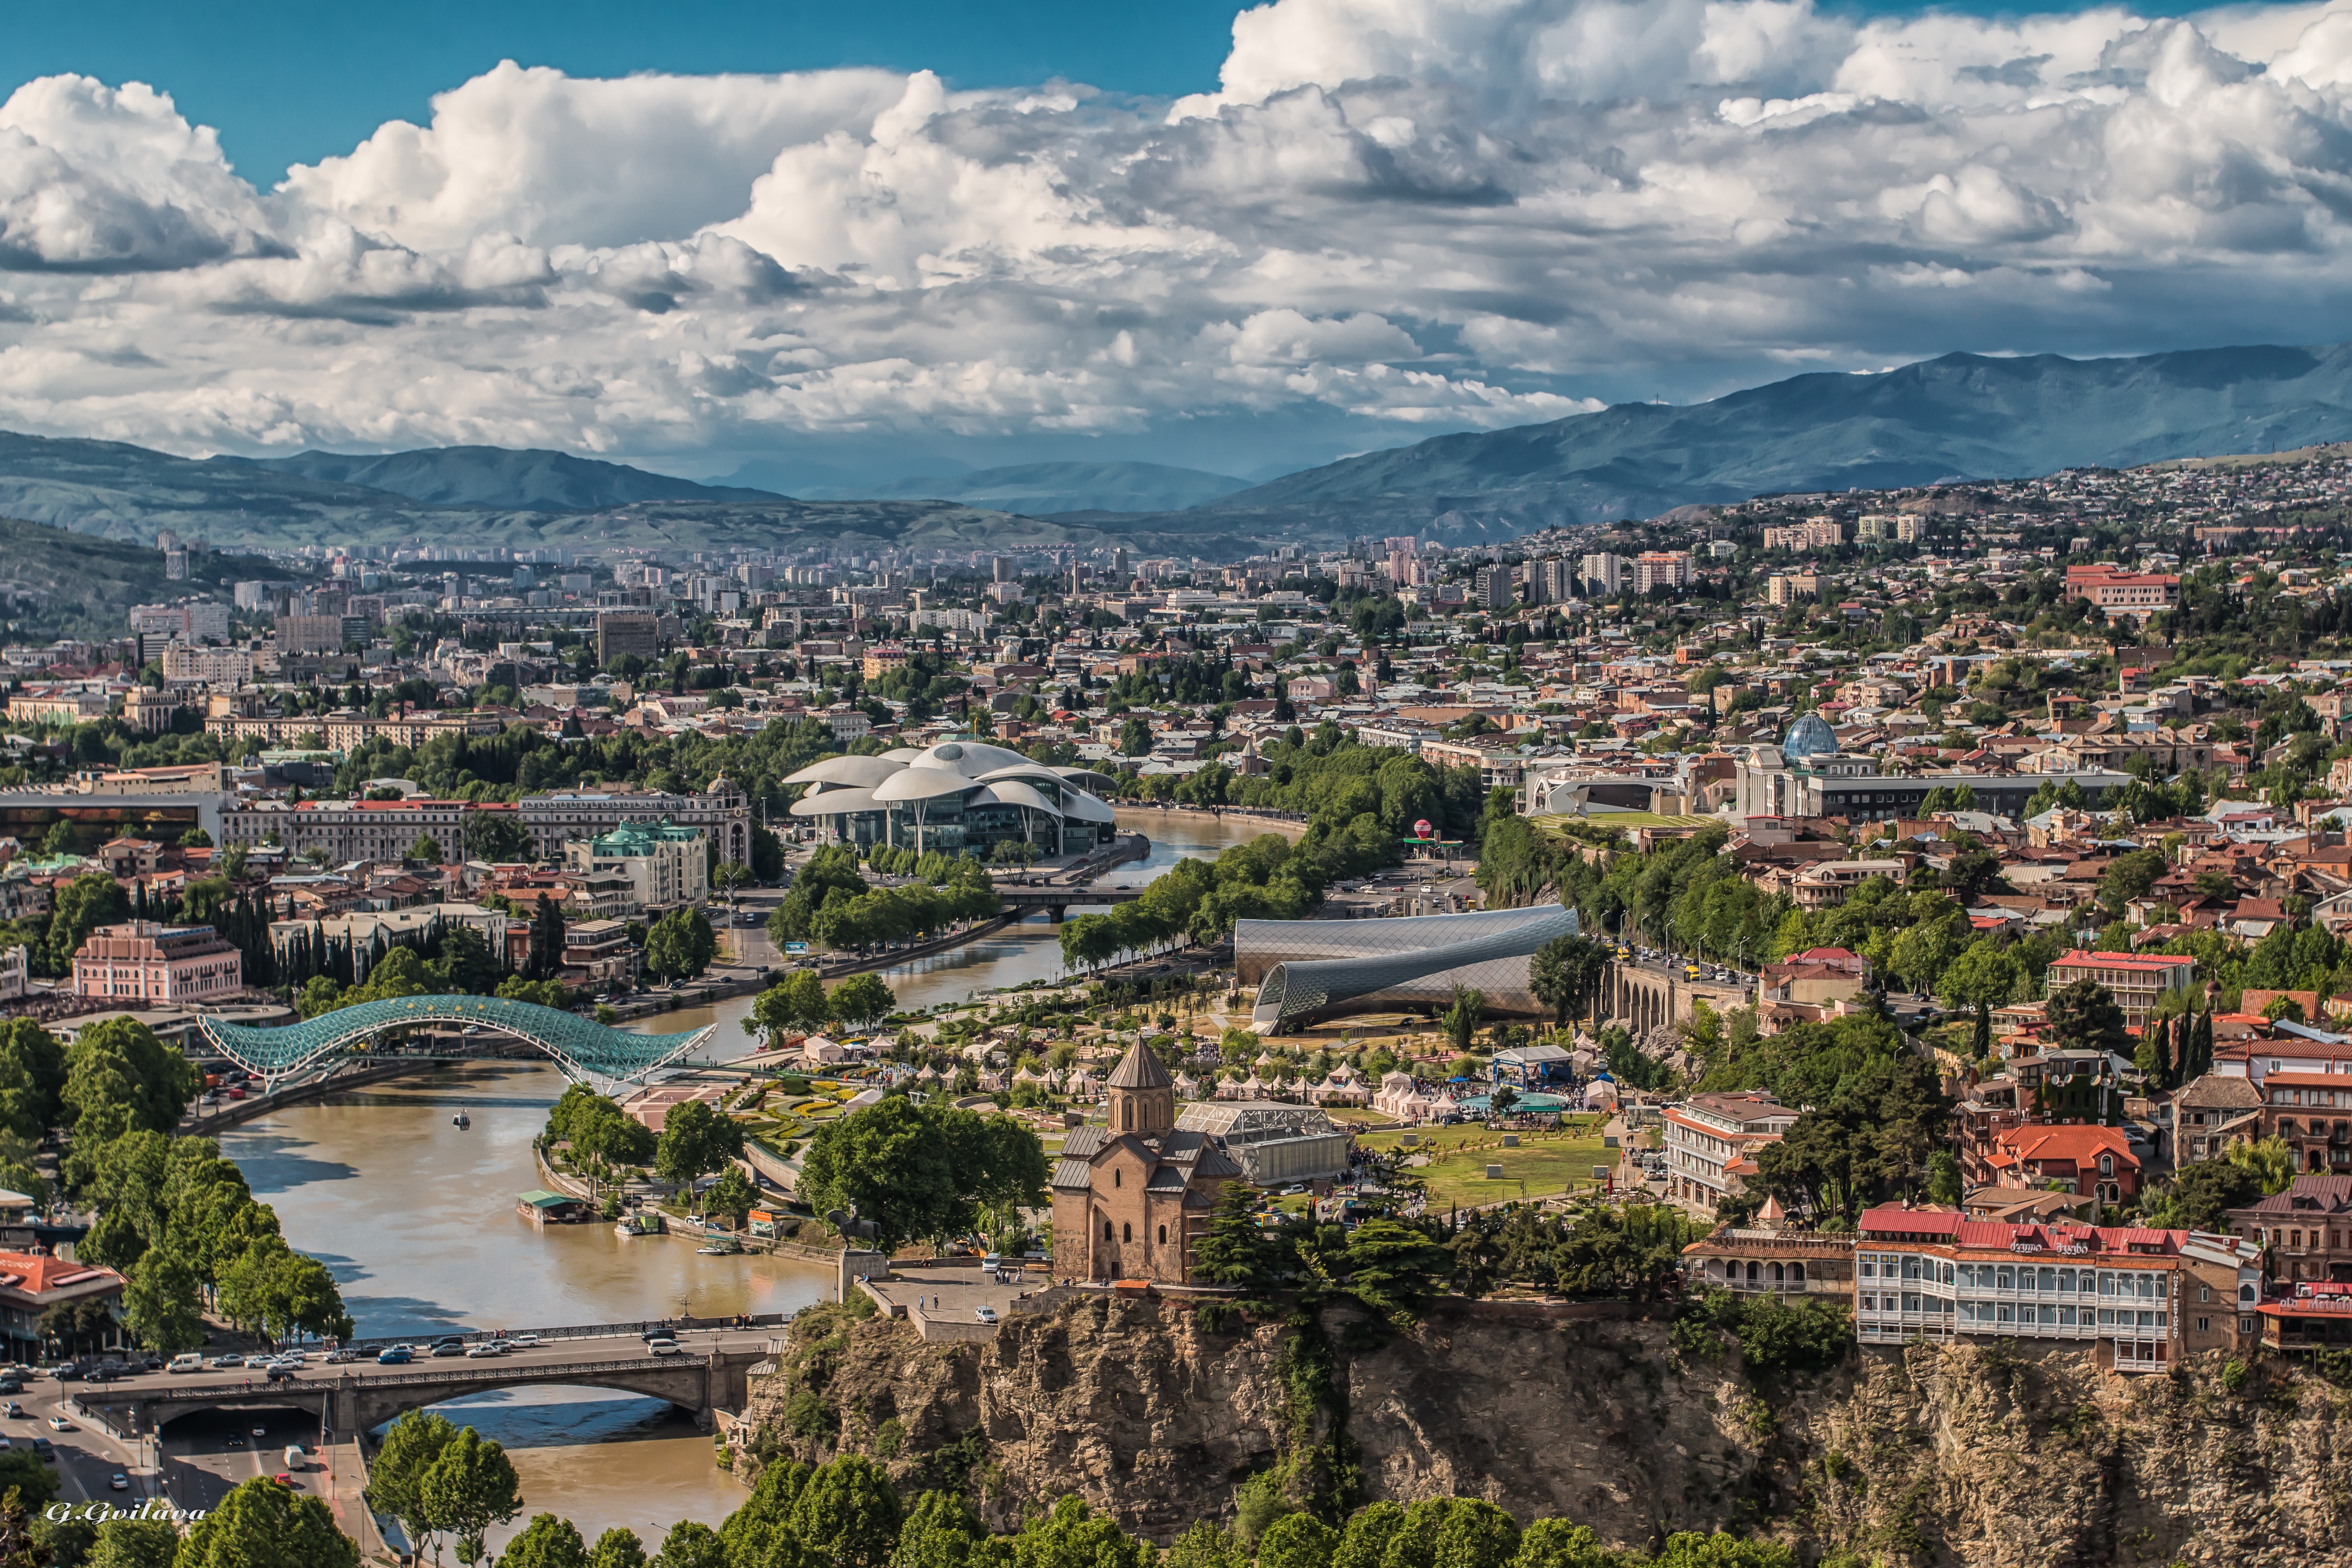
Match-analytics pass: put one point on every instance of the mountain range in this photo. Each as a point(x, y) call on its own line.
point(1958, 416)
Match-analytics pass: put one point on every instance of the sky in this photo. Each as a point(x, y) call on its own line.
point(908, 236)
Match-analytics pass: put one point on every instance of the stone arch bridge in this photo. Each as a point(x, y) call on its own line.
point(350, 1400)
point(1641, 998)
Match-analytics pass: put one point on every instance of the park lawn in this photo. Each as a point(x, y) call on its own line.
point(1357, 1115)
point(1541, 1166)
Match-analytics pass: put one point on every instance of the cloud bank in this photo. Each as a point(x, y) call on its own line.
point(1405, 214)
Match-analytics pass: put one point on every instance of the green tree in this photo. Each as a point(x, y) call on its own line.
point(396, 1476)
point(546, 1541)
point(425, 849)
point(159, 1305)
point(2201, 1195)
point(862, 1000)
point(546, 957)
point(849, 1510)
point(133, 1544)
point(1565, 972)
point(120, 1079)
point(78, 908)
point(732, 1196)
point(1393, 1268)
point(32, 1079)
point(260, 1524)
point(1072, 1535)
point(617, 1547)
point(924, 1171)
point(1943, 1185)
point(1461, 1019)
point(797, 1002)
point(1557, 1544)
point(2270, 1161)
point(1365, 1541)
point(1235, 1252)
point(2083, 1017)
point(695, 1140)
point(1297, 1541)
point(939, 1531)
point(691, 1544)
point(469, 1488)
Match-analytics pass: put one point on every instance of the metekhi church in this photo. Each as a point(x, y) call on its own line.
point(1132, 1199)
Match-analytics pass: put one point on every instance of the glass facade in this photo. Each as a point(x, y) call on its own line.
point(1308, 970)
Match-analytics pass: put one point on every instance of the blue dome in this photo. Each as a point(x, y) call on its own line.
point(1809, 736)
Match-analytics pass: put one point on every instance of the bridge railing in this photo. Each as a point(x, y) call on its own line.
point(183, 1394)
point(574, 1330)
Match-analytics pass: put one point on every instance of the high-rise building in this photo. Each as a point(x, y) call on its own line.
point(627, 631)
point(1603, 574)
point(1654, 569)
point(1000, 569)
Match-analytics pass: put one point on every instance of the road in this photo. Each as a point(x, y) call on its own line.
point(207, 1452)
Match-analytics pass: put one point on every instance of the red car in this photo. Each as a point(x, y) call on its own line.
point(283, 1480)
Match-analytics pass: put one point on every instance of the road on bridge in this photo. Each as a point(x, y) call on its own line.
point(210, 1450)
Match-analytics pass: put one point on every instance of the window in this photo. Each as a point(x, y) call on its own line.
point(1796, 1273)
point(1163, 1236)
point(1107, 1230)
point(1115, 1177)
point(2204, 1325)
point(2006, 1278)
point(1126, 1232)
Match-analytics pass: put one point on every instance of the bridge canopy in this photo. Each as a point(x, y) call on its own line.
point(585, 1049)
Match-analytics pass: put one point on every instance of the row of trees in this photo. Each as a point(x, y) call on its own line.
point(925, 1172)
point(800, 1002)
point(848, 1514)
point(831, 903)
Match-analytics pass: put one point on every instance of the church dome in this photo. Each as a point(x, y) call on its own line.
point(1809, 736)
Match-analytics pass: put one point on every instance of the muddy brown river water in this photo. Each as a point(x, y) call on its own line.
point(416, 1218)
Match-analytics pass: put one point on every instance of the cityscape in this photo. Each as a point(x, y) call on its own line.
point(1345, 784)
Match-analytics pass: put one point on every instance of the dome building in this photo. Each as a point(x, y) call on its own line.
point(954, 797)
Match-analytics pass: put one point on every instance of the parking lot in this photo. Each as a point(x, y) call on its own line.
point(955, 1295)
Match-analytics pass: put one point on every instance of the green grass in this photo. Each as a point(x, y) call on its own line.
point(1546, 1164)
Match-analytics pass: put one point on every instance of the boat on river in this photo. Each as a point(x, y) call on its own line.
point(638, 1224)
point(719, 1247)
point(461, 1120)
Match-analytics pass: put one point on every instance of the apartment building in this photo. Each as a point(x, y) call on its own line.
point(722, 812)
point(142, 962)
point(1654, 569)
point(627, 631)
point(1711, 1142)
point(348, 830)
point(666, 863)
point(185, 665)
point(2139, 981)
point(2304, 1232)
point(2140, 593)
point(2143, 1297)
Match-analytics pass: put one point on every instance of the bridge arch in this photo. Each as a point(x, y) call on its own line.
point(597, 1055)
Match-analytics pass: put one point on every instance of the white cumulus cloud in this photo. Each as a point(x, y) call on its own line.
point(1392, 216)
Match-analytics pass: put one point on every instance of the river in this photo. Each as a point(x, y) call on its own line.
point(416, 1219)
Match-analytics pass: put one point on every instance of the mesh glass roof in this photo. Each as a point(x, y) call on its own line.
point(581, 1047)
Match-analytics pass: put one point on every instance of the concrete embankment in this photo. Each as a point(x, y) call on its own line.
point(229, 1113)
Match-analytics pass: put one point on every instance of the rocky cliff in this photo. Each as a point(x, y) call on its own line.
point(1981, 1455)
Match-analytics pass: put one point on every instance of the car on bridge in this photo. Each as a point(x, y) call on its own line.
point(661, 1347)
point(398, 1356)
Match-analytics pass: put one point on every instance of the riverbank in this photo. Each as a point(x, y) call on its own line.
point(842, 968)
point(1291, 821)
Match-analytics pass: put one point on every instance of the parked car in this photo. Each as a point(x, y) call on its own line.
point(985, 1314)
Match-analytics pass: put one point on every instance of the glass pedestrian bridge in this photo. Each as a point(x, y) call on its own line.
point(589, 1052)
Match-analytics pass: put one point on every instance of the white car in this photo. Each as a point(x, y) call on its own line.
point(661, 1347)
point(485, 1350)
point(985, 1314)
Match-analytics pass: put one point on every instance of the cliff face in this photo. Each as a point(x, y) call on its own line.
point(2000, 1455)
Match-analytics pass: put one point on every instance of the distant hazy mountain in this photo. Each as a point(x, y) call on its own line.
point(527, 480)
point(1047, 490)
point(1963, 416)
